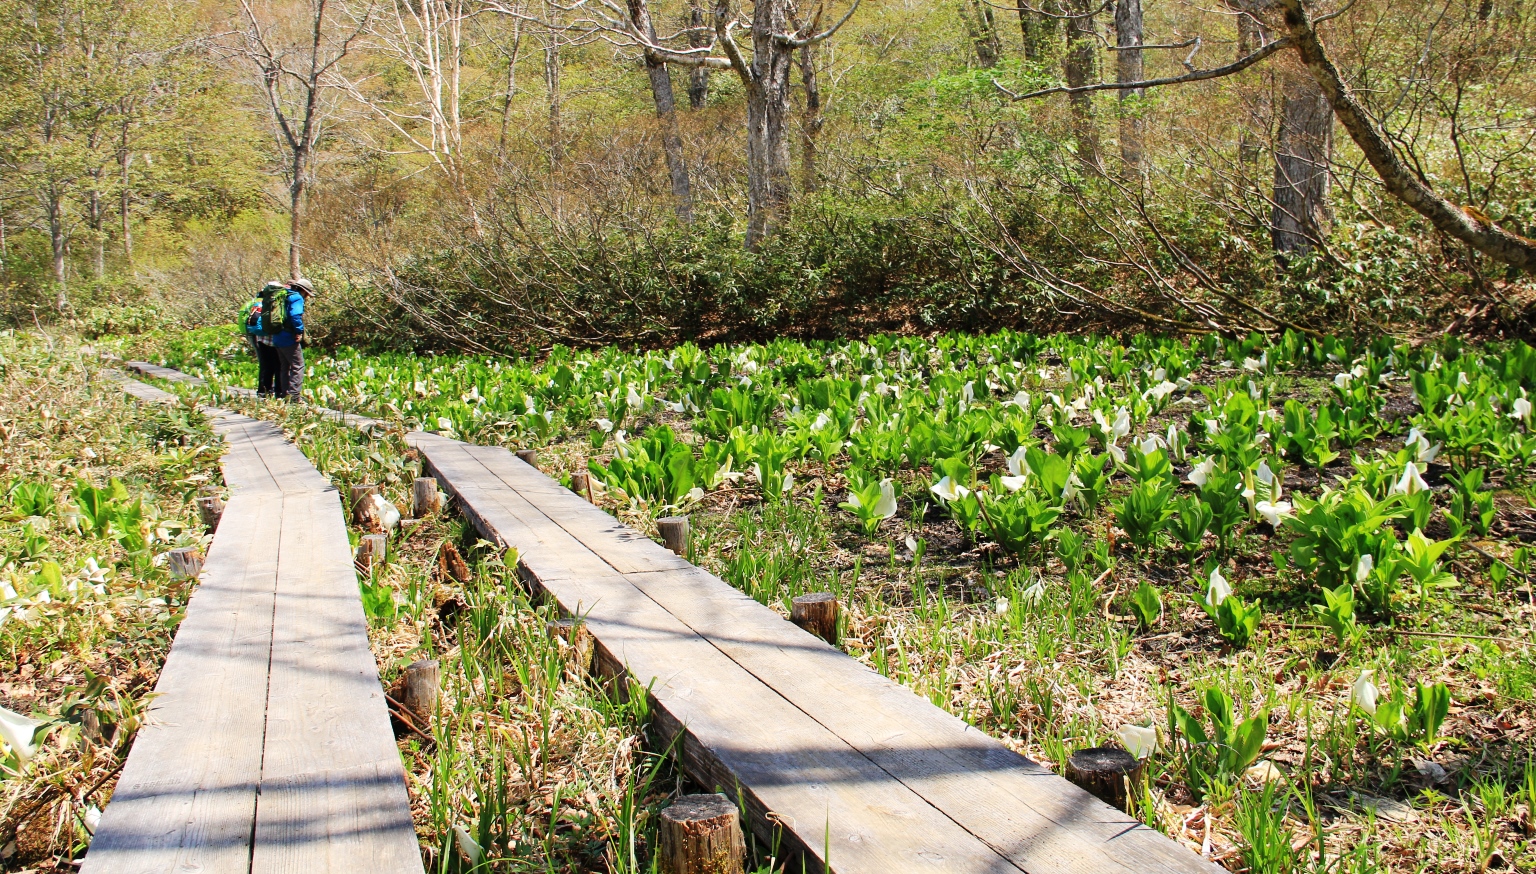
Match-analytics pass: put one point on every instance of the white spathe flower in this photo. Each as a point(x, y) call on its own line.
point(1411, 483)
point(444, 423)
point(948, 490)
point(17, 732)
point(1035, 592)
point(1264, 474)
point(1020, 400)
point(1139, 741)
point(1149, 444)
point(1419, 445)
point(1364, 566)
point(1162, 390)
point(822, 420)
point(1017, 465)
point(1013, 483)
point(1522, 410)
point(1343, 380)
point(695, 495)
point(1202, 471)
point(1219, 590)
point(1001, 606)
point(389, 515)
point(605, 425)
point(1364, 693)
point(1273, 512)
point(1252, 364)
point(93, 572)
point(633, 399)
point(468, 847)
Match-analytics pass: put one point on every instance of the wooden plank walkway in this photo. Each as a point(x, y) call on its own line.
point(860, 775)
point(268, 746)
point(155, 371)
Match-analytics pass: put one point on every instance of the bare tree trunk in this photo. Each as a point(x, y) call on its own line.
point(97, 218)
point(698, 38)
point(1080, 68)
point(59, 242)
point(666, 113)
point(1302, 153)
point(125, 197)
point(981, 26)
point(767, 82)
point(296, 216)
point(1039, 31)
point(1130, 68)
point(552, 86)
point(810, 119)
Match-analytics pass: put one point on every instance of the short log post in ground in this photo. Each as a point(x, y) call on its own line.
point(1110, 774)
point(426, 500)
point(816, 613)
point(416, 692)
point(450, 564)
point(701, 834)
point(529, 457)
point(364, 514)
point(674, 533)
point(578, 638)
point(581, 484)
point(371, 551)
point(210, 507)
point(185, 563)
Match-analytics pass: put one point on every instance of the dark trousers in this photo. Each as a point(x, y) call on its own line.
point(290, 372)
point(266, 369)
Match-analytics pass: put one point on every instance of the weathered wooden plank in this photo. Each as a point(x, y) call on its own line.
point(737, 733)
point(333, 793)
point(165, 373)
point(186, 800)
point(142, 391)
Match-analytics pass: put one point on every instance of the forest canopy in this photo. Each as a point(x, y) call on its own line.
point(500, 174)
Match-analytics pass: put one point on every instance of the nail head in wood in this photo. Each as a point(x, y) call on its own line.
point(185, 563)
point(426, 500)
point(816, 613)
point(701, 834)
point(579, 640)
point(364, 514)
point(581, 484)
point(1110, 774)
point(530, 457)
point(371, 551)
point(674, 533)
point(211, 509)
point(417, 690)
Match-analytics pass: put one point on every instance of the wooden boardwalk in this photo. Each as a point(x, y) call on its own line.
point(850, 770)
point(268, 746)
point(155, 371)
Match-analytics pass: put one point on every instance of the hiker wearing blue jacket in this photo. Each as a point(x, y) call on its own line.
point(289, 343)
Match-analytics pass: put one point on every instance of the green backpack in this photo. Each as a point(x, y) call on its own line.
point(249, 320)
point(274, 308)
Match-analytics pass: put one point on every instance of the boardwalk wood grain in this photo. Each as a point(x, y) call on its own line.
point(268, 746)
point(854, 771)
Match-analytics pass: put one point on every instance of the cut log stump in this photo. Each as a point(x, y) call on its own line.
point(364, 514)
point(450, 565)
point(581, 484)
point(577, 638)
point(529, 457)
point(416, 692)
point(816, 613)
point(1108, 773)
point(210, 508)
point(371, 551)
point(185, 563)
point(426, 500)
point(701, 834)
point(674, 533)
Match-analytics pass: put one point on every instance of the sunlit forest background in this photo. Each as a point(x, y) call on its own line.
point(507, 174)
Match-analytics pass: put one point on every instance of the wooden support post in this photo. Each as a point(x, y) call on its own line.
point(674, 533)
point(1110, 774)
point(581, 484)
point(530, 457)
point(701, 834)
point(416, 692)
point(578, 638)
point(371, 551)
point(364, 514)
point(816, 613)
point(186, 563)
point(211, 508)
point(426, 500)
